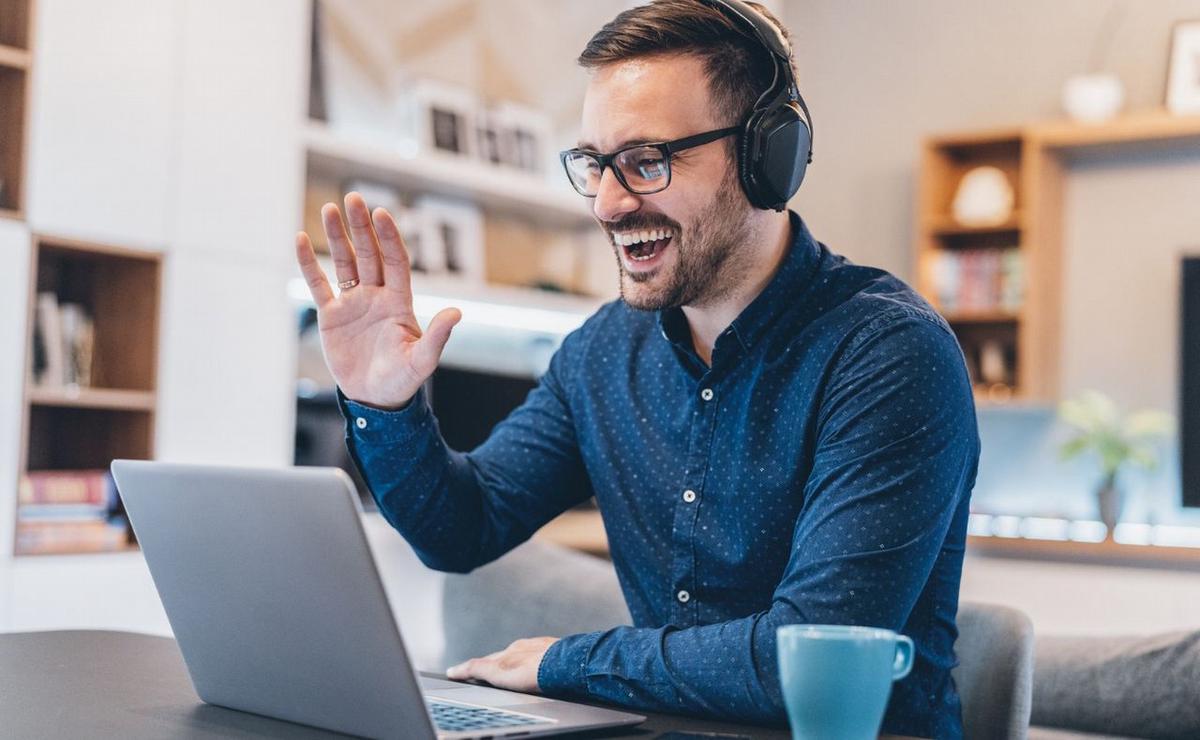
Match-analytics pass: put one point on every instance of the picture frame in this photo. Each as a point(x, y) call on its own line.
point(451, 238)
point(524, 136)
point(1183, 69)
point(438, 117)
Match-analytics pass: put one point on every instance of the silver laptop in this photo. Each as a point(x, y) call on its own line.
point(273, 595)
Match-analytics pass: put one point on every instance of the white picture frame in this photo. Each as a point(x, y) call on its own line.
point(1183, 69)
point(525, 136)
point(452, 238)
point(438, 118)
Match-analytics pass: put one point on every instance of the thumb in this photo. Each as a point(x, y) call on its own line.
point(429, 348)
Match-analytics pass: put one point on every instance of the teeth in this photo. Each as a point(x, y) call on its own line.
point(630, 238)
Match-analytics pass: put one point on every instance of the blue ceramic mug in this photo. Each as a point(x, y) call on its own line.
point(836, 680)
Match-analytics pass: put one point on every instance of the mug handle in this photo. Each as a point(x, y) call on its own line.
point(904, 657)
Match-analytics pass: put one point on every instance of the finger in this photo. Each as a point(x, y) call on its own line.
point(340, 247)
point(318, 284)
point(429, 348)
point(366, 243)
point(397, 272)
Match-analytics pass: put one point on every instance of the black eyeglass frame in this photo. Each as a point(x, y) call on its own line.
point(667, 148)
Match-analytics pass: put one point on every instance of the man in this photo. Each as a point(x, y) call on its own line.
point(773, 434)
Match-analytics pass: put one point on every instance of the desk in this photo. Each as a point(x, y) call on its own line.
point(98, 684)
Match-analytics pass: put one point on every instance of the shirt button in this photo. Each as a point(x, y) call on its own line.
point(360, 422)
point(689, 495)
point(683, 597)
point(706, 394)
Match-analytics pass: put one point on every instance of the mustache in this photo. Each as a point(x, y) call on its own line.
point(638, 223)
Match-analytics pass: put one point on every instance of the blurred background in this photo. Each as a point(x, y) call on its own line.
point(1032, 168)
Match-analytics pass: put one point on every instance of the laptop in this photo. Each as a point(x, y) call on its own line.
point(272, 592)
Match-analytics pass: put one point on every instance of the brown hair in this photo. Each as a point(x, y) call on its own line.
point(738, 68)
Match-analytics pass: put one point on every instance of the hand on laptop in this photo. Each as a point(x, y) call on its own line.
point(514, 668)
point(373, 344)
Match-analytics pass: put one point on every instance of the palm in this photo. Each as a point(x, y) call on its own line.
point(373, 344)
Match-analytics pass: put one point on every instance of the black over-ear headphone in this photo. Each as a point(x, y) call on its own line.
point(775, 145)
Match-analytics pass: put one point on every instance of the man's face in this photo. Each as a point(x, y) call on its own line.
point(703, 212)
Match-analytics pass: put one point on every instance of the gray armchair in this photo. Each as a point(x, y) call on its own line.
point(1135, 687)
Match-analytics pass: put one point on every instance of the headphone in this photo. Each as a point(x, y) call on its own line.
point(775, 144)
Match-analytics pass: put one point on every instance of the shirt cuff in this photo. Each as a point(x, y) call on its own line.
point(563, 670)
point(372, 426)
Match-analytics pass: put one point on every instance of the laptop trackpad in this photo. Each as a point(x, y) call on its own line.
point(469, 694)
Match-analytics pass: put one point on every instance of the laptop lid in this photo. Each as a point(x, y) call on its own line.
point(272, 592)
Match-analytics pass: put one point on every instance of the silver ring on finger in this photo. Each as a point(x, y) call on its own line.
point(347, 284)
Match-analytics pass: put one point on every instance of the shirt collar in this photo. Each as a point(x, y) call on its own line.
point(794, 272)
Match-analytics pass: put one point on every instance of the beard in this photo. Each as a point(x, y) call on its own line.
point(711, 255)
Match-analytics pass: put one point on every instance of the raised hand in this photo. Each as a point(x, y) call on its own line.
point(372, 342)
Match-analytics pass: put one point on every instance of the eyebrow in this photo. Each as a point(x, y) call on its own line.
point(587, 146)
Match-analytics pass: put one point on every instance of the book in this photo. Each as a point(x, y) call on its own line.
point(44, 538)
point(94, 487)
point(48, 323)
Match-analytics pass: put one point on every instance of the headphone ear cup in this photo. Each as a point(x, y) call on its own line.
point(747, 160)
point(777, 157)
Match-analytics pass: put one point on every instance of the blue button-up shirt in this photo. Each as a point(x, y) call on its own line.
point(818, 472)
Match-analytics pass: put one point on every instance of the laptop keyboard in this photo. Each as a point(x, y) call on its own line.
point(450, 717)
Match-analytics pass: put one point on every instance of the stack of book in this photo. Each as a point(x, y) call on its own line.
point(979, 280)
point(69, 511)
point(63, 343)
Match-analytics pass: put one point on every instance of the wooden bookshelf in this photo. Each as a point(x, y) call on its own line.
point(84, 425)
point(1024, 329)
point(15, 62)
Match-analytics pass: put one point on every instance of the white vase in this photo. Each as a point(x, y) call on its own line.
point(1093, 98)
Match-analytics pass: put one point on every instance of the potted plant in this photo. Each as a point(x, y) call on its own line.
point(1116, 441)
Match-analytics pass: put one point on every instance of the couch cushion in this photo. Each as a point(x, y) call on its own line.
point(537, 589)
point(1137, 686)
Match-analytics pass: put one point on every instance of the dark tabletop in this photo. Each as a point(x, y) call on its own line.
point(100, 684)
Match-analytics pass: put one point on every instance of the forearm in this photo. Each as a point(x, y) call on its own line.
point(721, 671)
point(423, 489)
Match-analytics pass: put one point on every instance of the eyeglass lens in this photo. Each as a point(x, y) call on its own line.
point(643, 170)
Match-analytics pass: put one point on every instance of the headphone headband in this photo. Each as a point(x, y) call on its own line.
point(776, 143)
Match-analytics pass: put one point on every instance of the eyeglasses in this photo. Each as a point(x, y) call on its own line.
point(640, 168)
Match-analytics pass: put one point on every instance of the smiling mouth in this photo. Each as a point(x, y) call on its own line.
point(643, 246)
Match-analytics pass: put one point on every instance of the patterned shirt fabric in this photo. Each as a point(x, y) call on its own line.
point(818, 472)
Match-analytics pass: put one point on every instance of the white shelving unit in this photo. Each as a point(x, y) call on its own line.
point(336, 156)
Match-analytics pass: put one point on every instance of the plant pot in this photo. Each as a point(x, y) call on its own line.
point(1110, 499)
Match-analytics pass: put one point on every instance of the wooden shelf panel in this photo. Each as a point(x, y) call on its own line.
point(14, 58)
point(981, 317)
point(334, 156)
point(1143, 127)
point(584, 530)
point(1097, 553)
point(93, 398)
point(580, 529)
point(946, 226)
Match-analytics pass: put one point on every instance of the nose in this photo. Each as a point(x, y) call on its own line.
point(612, 200)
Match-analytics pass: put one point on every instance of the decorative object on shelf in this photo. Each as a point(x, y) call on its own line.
point(1096, 96)
point(1117, 441)
point(984, 197)
point(1183, 74)
point(525, 136)
point(63, 342)
point(437, 117)
point(1093, 98)
point(451, 237)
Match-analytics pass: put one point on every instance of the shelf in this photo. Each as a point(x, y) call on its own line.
point(11, 214)
point(13, 58)
point(1095, 553)
point(946, 226)
point(93, 398)
point(1144, 127)
point(334, 155)
point(981, 317)
point(579, 530)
